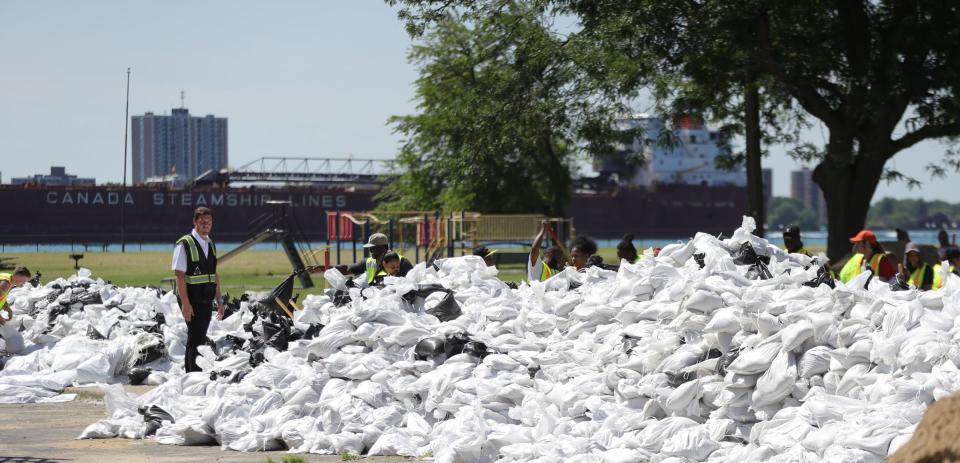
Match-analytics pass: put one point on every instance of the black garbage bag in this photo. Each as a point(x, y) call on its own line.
point(822, 278)
point(276, 335)
point(428, 348)
point(726, 360)
point(476, 349)
point(746, 255)
point(154, 416)
point(138, 375)
point(701, 259)
point(309, 333)
point(899, 284)
point(447, 309)
point(151, 350)
point(283, 291)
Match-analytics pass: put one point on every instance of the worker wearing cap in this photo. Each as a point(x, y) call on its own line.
point(792, 243)
point(485, 253)
point(916, 271)
point(867, 254)
point(377, 245)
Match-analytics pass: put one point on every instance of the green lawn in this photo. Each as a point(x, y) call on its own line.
point(251, 270)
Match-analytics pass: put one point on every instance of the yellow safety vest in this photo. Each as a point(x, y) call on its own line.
point(916, 278)
point(853, 267)
point(546, 272)
point(372, 268)
point(9, 279)
point(194, 250)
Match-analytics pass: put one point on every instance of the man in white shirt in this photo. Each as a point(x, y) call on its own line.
point(197, 283)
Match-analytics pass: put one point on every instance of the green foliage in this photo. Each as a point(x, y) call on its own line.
point(347, 456)
point(783, 212)
point(881, 76)
point(893, 213)
point(293, 459)
point(501, 116)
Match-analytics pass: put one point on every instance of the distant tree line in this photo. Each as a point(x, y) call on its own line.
point(913, 213)
point(888, 213)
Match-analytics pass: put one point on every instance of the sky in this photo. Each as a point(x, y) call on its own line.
point(294, 78)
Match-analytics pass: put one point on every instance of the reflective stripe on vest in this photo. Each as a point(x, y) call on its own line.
point(194, 250)
point(916, 279)
point(546, 272)
point(371, 269)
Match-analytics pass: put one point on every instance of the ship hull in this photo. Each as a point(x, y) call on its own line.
point(158, 215)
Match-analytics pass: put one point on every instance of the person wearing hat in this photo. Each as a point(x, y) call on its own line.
point(916, 271)
point(626, 250)
point(792, 243)
point(485, 253)
point(377, 245)
point(867, 254)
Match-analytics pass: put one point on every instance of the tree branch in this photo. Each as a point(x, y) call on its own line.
point(924, 133)
point(805, 93)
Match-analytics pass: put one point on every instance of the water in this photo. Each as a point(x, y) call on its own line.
point(811, 238)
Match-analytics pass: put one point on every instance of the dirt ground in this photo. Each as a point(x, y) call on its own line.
point(47, 433)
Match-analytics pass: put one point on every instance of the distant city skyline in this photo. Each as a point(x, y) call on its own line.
point(296, 78)
point(180, 143)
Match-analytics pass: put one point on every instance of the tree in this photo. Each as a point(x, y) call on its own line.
point(500, 118)
point(785, 212)
point(864, 69)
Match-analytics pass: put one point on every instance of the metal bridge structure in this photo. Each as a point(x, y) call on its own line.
point(303, 170)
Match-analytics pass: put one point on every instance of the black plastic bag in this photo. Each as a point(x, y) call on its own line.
point(138, 375)
point(151, 351)
point(154, 416)
point(276, 335)
point(428, 348)
point(283, 292)
point(447, 309)
point(476, 349)
point(822, 278)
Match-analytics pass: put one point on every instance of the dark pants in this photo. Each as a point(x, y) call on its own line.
point(197, 332)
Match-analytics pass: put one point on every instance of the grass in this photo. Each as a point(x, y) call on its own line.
point(347, 456)
point(286, 459)
point(252, 270)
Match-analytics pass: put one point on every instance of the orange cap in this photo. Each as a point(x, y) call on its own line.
point(864, 235)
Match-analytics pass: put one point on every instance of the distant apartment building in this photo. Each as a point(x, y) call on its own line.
point(805, 190)
point(181, 143)
point(767, 176)
point(58, 177)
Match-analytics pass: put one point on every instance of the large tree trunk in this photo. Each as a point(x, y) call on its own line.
point(848, 188)
point(755, 205)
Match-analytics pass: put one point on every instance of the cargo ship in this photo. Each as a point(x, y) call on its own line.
point(649, 190)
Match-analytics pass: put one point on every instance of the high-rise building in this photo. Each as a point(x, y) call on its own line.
point(189, 145)
point(805, 190)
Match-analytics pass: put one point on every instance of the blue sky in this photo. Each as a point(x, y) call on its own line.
point(299, 78)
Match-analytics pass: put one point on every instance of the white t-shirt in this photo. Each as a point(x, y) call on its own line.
point(534, 270)
point(180, 257)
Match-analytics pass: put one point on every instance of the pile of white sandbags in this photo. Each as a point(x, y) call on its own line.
point(84, 331)
point(686, 356)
